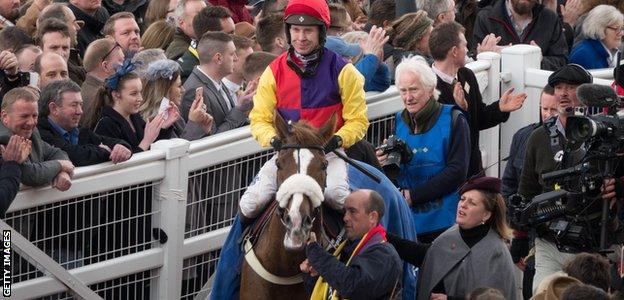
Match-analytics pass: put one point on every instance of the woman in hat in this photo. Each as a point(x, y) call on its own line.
point(470, 254)
point(409, 35)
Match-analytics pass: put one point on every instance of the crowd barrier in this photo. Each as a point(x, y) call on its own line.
point(152, 227)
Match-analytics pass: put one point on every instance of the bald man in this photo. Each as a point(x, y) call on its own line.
point(50, 67)
point(367, 266)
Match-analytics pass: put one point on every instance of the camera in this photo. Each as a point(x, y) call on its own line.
point(398, 152)
point(575, 215)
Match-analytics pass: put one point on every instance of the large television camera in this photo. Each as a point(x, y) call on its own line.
point(575, 214)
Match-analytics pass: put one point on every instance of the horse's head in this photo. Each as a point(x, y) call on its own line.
point(301, 174)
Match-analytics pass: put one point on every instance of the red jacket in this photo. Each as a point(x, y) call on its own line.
point(237, 7)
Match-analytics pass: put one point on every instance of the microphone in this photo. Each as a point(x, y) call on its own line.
point(597, 95)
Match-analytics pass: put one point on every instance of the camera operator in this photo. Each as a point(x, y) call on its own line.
point(436, 149)
point(544, 154)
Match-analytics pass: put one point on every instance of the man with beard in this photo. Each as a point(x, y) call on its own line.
point(523, 22)
point(545, 145)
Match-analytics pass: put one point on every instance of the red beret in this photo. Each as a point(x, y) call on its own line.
point(490, 184)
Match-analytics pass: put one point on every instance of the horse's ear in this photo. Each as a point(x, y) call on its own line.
point(328, 129)
point(281, 126)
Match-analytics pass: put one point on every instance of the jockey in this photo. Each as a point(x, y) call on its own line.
point(311, 83)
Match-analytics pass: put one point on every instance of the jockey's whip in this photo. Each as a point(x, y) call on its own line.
point(357, 166)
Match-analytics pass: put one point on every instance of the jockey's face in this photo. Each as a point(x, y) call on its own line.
point(357, 220)
point(304, 39)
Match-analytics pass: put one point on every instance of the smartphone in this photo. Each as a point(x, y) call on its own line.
point(164, 105)
point(34, 79)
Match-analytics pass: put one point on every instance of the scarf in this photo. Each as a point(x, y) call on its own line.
point(419, 120)
point(304, 65)
point(375, 235)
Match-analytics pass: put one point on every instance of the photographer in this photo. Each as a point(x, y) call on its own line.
point(437, 139)
point(544, 154)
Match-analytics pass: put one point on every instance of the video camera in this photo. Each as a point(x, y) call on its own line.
point(577, 214)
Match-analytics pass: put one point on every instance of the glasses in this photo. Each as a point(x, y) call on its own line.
point(616, 29)
point(110, 51)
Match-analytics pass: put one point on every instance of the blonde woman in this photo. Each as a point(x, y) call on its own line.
point(163, 88)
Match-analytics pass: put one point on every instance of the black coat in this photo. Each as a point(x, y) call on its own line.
point(87, 152)
point(373, 274)
point(92, 30)
point(10, 175)
point(113, 125)
point(545, 29)
point(479, 115)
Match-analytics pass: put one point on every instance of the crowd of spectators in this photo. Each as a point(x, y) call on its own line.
point(88, 81)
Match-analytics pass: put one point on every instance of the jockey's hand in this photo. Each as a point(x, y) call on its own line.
point(276, 143)
point(334, 143)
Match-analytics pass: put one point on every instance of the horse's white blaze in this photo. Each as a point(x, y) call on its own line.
point(293, 212)
point(303, 157)
point(293, 239)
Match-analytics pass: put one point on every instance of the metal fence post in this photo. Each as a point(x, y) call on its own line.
point(171, 201)
point(516, 60)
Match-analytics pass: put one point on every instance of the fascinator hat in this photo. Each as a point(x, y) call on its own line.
point(162, 68)
point(112, 82)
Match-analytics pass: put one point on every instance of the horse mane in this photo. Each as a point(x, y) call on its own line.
point(303, 133)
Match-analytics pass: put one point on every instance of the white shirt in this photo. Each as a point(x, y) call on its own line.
point(445, 77)
point(232, 88)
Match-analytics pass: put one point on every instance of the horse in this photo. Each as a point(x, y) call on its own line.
point(280, 247)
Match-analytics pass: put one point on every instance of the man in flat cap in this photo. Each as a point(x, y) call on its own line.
point(544, 153)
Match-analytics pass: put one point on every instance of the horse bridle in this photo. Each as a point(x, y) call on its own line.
point(284, 211)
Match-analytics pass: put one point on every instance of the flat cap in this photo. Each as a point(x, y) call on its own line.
point(571, 74)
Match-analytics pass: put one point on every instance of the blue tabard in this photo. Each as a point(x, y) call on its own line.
point(429, 151)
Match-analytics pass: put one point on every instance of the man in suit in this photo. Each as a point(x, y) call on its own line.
point(217, 55)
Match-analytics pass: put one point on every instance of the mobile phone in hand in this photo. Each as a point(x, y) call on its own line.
point(164, 106)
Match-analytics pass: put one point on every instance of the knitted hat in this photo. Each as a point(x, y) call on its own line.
point(571, 74)
point(409, 29)
point(490, 184)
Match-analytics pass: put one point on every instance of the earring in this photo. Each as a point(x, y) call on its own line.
point(482, 222)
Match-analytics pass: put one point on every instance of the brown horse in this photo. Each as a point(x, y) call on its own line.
point(280, 248)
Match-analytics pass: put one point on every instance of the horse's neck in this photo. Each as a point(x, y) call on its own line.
point(272, 254)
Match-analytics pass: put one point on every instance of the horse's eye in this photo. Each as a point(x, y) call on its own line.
point(307, 221)
point(277, 164)
point(324, 165)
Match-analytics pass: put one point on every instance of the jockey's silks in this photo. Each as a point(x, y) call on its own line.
point(429, 151)
point(374, 236)
point(335, 87)
point(314, 98)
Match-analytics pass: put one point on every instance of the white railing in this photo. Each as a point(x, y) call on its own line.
point(185, 194)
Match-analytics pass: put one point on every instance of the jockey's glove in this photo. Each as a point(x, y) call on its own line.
point(276, 143)
point(334, 143)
